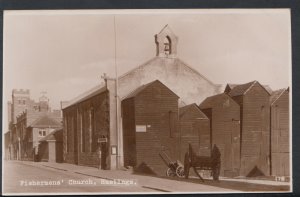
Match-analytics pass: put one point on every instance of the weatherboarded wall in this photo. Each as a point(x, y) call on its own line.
point(280, 136)
point(224, 114)
point(194, 130)
point(150, 121)
point(255, 131)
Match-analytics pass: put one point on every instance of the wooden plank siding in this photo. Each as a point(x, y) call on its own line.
point(194, 129)
point(280, 135)
point(156, 108)
point(224, 115)
point(84, 123)
point(255, 130)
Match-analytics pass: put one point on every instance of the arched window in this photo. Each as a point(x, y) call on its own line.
point(167, 44)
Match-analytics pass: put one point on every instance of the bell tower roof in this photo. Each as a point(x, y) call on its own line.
point(166, 43)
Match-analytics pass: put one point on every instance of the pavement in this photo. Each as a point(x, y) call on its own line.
point(142, 183)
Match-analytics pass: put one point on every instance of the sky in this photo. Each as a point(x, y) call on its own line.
point(65, 52)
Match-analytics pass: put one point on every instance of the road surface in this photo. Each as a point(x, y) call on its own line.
point(23, 178)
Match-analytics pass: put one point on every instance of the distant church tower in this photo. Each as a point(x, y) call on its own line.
point(166, 43)
point(44, 103)
point(20, 102)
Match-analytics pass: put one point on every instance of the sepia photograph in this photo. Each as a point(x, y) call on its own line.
point(153, 101)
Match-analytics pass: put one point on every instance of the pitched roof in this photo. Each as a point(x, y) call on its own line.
point(143, 87)
point(159, 60)
point(276, 94)
point(45, 121)
point(243, 88)
point(183, 110)
point(50, 136)
point(86, 95)
point(268, 88)
point(209, 102)
point(232, 85)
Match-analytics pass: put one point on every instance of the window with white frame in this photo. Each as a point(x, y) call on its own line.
point(42, 133)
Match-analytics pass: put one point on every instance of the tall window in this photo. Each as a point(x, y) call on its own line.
point(66, 140)
point(83, 131)
point(93, 129)
point(172, 123)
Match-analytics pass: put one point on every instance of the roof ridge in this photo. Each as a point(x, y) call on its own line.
point(136, 91)
point(44, 116)
point(282, 90)
point(188, 107)
point(190, 67)
point(139, 66)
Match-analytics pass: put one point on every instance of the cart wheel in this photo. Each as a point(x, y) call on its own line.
point(170, 172)
point(180, 171)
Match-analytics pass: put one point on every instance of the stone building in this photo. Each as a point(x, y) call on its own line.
point(85, 122)
point(179, 77)
point(22, 107)
point(51, 147)
point(32, 126)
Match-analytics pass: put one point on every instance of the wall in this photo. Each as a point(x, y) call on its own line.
point(43, 152)
point(255, 147)
point(225, 133)
point(51, 150)
point(175, 74)
point(194, 129)
point(129, 142)
point(69, 115)
point(84, 123)
point(157, 108)
point(280, 136)
point(18, 108)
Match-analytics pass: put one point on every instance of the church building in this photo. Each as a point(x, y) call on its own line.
point(187, 83)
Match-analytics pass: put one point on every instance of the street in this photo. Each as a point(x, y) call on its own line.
point(18, 176)
point(28, 177)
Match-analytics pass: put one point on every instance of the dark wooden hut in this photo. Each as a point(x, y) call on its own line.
point(224, 115)
point(150, 125)
point(255, 127)
point(194, 129)
point(280, 152)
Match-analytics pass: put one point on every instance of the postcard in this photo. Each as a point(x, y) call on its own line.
point(147, 101)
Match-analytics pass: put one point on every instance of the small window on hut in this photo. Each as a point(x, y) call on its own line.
point(172, 123)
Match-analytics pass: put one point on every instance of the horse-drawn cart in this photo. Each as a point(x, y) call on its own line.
point(212, 163)
point(175, 168)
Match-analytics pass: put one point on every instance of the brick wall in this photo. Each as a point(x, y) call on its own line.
point(84, 123)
